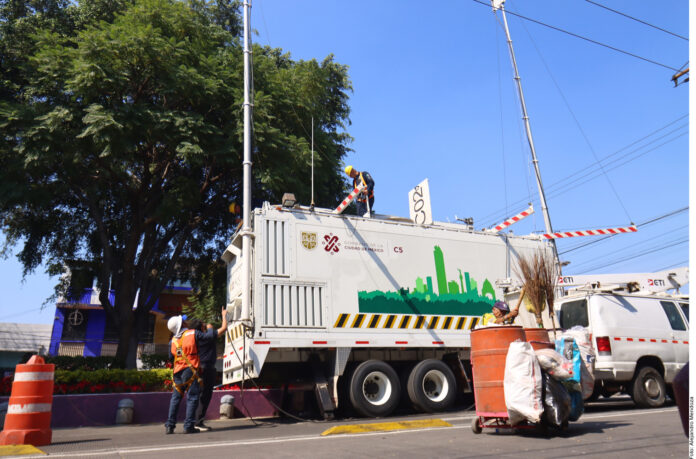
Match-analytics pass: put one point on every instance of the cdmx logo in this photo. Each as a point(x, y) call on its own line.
point(331, 243)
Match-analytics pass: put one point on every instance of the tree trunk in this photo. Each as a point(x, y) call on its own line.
point(125, 333)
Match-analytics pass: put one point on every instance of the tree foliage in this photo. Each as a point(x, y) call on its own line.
point(121, 140)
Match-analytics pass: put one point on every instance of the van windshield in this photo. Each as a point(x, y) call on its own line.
point(574, 313)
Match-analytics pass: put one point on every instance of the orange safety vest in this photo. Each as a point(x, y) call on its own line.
point(361, 197)
point(185, 351)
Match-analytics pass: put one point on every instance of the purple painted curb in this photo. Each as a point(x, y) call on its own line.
point(82, 410)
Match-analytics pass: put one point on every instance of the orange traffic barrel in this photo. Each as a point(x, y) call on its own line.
point(489, 347)
point(538, 338)
point(28, 418)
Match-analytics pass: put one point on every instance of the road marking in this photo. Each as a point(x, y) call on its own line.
point(313, 437)
point(19, 450)
point(584, 416)
point(385, 426)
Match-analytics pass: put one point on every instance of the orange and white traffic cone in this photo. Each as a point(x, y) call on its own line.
point(28, 419)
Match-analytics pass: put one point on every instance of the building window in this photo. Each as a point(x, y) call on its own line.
point(75, 326)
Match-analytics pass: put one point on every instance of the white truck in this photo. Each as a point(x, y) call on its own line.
point(640, 333)
point(368, 307)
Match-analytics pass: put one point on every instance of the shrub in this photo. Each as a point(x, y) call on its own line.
point(112, 380)
point(151, 361)
point(64, 362)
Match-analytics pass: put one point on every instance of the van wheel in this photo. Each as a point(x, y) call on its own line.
point(374, 389)
point(431, 386)
point(649, 388)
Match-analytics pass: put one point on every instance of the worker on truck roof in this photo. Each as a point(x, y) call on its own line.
point(500, 315)
point(366, 199)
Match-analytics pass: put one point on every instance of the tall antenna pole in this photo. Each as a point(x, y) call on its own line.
point(246, 166)
point(500, 4)
point(312, 204)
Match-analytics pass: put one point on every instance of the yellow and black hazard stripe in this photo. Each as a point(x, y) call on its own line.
point(405, 321)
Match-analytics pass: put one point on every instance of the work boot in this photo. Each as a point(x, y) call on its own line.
point(201, 426)
point(168, 430)
point(192, 430)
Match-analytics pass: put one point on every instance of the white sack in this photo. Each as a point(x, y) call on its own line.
point(522, 384)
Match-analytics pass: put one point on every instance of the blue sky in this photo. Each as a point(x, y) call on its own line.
point(433, 97)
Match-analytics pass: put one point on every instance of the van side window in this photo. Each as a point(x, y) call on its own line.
point(685, 310)
point(574, 313)
point(675, 319)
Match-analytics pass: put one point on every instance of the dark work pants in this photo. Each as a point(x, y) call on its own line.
point(208, 374)
point(191, 400)
point(362, 206)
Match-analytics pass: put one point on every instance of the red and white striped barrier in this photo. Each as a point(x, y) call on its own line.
point(597, 232)
point(349, 198)
point(525, 213)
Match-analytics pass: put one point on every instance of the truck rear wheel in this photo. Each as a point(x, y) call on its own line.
point(431, 386)
point(374, 389)
point(649, 388)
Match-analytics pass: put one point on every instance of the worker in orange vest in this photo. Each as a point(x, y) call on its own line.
point(366, 199)
point(184, 351)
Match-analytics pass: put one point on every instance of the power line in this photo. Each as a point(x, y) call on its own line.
point(495, 216)
point(577, 122)
point(583, 38)
point(564, 185)
point(647, 252)
point(637, 20)
point(673, 265)
point(669, 214)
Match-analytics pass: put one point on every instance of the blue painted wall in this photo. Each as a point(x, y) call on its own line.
point(57, 331)
point(94, 335)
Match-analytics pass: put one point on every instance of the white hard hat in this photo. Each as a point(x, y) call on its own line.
point(174, 324)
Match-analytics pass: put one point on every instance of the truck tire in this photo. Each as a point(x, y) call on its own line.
point(649, 388)
point(431, 386)
point(374, 389)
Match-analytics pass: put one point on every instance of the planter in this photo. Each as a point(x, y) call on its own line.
point(82, 410)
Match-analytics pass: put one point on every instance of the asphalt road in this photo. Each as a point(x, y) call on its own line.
point(608, 429)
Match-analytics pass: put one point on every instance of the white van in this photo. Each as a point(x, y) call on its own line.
point(641, 340)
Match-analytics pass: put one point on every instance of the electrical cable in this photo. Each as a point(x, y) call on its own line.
point(244, 372)
point(641, 249)
point(669, 214)
point(577, 122)
point(636, 19)
point(594, 268)
point(562, 182)
point(581, 37)
point(561, 186)
point(674, 264)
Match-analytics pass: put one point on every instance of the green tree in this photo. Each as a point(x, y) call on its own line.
point(121, 144)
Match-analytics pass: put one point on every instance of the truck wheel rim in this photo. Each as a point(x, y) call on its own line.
point(652, 388)
point(377, 388)
point(435, 386)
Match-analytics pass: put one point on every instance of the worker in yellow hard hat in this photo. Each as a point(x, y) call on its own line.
point(366, 199)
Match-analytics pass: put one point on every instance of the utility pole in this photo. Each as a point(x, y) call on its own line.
point(246, 167)
point(500, 5)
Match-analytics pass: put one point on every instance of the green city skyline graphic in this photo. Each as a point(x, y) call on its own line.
point(455, 297)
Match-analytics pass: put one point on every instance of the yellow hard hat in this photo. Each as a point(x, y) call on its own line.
point(349, 169)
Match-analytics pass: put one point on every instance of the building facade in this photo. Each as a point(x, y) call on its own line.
point(81, 327)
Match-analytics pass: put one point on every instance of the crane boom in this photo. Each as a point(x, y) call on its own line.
point(663, 281)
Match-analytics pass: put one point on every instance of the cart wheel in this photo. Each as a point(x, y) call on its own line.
point(476, 425)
